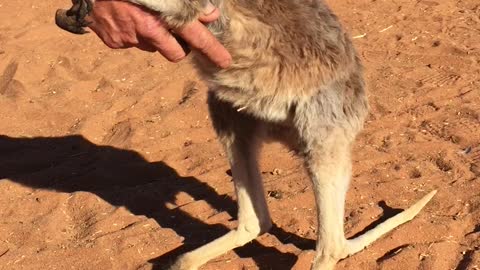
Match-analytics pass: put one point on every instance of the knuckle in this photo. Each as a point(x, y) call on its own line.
point(131, 40)
point(204, 43)
point(152, 29)
point(114, 43)
point(159, 35)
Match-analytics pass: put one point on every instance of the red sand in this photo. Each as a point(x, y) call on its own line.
point(103, 166)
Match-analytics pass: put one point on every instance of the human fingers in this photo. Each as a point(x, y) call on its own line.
point(199, 37)
point(163, 41)
point(210, 14)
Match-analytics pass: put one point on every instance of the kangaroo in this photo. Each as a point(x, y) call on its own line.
point(295, 78)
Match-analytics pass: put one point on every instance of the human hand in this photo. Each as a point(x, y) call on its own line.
point(121, 24)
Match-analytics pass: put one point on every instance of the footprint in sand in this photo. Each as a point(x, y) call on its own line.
point(459, 129)
point(119, 135)
point(439, 79)
point(67, 68)
point(10, 87)
point(474, 155)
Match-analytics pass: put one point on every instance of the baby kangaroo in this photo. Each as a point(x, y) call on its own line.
point(295, 78)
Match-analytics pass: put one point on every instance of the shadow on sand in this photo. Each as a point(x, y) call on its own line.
point(124, 178)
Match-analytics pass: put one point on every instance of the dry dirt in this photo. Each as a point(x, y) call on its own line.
point(108, 159)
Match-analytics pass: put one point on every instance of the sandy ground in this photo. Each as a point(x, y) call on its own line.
point(108, 159)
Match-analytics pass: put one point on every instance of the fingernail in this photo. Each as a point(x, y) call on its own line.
point(209, 8)
point(178, 58)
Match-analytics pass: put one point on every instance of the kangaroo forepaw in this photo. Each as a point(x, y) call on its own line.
point(73, 20)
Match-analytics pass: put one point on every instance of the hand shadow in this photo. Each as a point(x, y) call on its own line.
point(124, 178)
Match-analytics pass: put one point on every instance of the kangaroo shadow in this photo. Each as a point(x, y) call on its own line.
point(124, 178)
